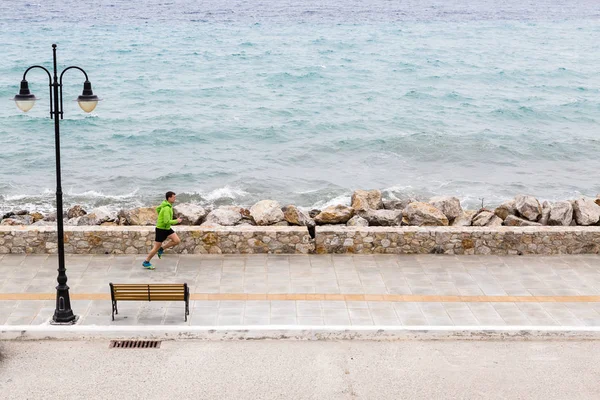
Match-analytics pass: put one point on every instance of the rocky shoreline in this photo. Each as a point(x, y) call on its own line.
point(367, 208)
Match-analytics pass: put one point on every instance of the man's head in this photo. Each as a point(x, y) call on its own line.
point(170, 197)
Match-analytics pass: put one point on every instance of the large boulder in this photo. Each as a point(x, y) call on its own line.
point(487, 218)
point(225, 216)
point(143, 216)
point(36, 216)
point(464, 219)
point(295, 216)
point(363, 200)
point(97, 216)
point(15, 221)
point(513, 220)
point(357, 221)
point(314, 212)
point(505, 209)
point(561, 213)
point(76, 211)
point(586, 211)
point(424, 214)
point(190, 214)
point(449, 205)
point(266, 212)
point(546, 208)
point(382, 217)
point(528, 207)
point(397, 204)
point(334, 215)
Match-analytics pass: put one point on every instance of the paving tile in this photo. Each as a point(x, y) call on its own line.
point(310, 321)
point(283, 320)
point(229, 320)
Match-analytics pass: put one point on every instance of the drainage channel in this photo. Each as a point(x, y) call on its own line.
point(134, 344)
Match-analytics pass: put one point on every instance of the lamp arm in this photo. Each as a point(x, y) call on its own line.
point(61, 85)
point(49, 83)
point(38, 66)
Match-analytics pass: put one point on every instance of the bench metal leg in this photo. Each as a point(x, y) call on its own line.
point(114, 310)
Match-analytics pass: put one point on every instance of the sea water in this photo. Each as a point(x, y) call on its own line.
point(230, 102)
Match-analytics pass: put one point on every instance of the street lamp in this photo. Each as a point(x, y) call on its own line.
point(25, 100)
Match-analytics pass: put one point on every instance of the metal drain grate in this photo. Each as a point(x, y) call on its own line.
point(135, 344)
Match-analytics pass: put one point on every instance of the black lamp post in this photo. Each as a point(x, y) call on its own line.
point(87, 101)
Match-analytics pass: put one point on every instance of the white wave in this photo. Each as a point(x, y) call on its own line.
point(342, 199)
point(224, 192)
point(97, 194)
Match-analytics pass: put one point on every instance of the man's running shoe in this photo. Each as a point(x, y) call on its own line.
point(147, 265)
point(160, 252)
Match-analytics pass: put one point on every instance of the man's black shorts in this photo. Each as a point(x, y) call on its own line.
point(163, 234)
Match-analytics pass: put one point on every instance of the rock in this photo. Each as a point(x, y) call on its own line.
point(36, 216)
point(505, 209)
point(97, 216)
point(314, 212)
point(363, 200)
point(207, 224)
point(561, 213)
point(75, 211)
point(144, 216)
point(51, 217)
point(43, 222)
point(334, 215)
point(13, 221)
point(190, 214)
point(495, 221)
point(266, 212)
point(450, 206)
point(513, 220)
point(487, 218)
point(528, 207)
point(357, 221)
point(424, 214)
point(74, 222)
point(382, 217)
point(281, 223)
point(464, 219)
point(21, 212)
point(546, 207)
point(8, 215)
point(397, 204)
point(295, 216)
point(225, 216)
point(586, 211)
point(109, 223)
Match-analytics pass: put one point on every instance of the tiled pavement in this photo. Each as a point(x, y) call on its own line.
point(422, 290)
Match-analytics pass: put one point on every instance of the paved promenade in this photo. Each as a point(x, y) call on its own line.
point(315, 290)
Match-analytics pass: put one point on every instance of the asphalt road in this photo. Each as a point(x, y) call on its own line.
point(301, 370)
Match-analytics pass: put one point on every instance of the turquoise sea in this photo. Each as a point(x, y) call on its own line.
point(229, 102)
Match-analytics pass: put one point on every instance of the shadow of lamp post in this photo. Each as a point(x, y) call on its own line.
point(63, 314)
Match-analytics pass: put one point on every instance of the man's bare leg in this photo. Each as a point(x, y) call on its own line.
point(174, 241)
point(153, 251)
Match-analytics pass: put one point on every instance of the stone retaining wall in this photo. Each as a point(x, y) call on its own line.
point(296, 240)
point(458, 240)
point(139, 240)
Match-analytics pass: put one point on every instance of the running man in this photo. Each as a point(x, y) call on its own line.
point(163, 229)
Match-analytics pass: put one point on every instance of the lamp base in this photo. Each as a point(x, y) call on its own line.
point(68, 322)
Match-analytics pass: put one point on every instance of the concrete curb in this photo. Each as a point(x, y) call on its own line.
point(291, 332)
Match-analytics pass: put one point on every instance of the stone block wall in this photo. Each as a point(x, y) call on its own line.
point(139, 240)
point(458, 240)
point(296, 240)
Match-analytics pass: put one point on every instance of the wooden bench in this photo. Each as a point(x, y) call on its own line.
point(149, 292)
